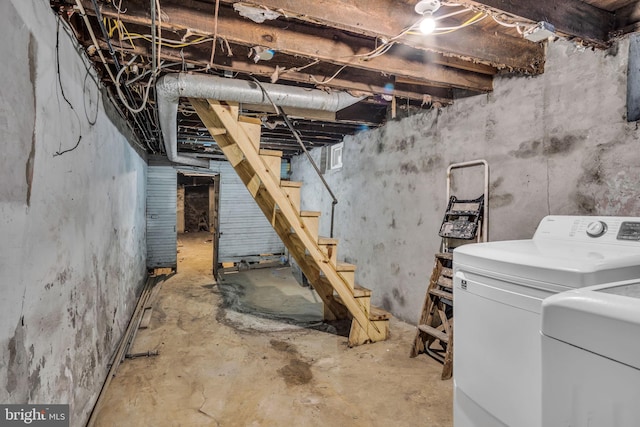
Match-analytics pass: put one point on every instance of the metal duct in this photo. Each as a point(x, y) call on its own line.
point(171, 87)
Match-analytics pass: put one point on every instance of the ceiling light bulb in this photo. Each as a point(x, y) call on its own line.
point(428, 25)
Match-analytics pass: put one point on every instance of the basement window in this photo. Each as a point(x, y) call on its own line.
point(335, 156)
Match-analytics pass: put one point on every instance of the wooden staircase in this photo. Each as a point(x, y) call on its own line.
point(239, 139)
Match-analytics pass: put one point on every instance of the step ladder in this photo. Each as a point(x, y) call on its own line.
point(434, 332)
point(435, 328)
point(239, 139)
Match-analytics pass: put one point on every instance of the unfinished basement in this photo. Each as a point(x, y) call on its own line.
point(263, 212)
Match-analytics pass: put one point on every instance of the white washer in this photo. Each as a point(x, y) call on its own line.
point(591, 356)
point(498, 291)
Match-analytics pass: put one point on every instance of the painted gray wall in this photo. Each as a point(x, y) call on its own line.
point(558, 143)
point(72, 253)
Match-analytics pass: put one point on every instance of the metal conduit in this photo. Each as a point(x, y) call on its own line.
point(171, 87)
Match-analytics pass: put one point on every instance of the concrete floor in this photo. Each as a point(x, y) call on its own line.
point(251, 351)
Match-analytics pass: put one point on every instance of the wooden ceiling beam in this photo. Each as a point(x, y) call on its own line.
point(349, 79)
point(388, 18)
point(333, 46)
point(573, 18)
point(627, 19)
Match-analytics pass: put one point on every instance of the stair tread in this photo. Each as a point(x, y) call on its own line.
point(310, 213)
point(434, 332)
point(441, 294)
point(375, 313)
point(445, 255)
point(345, 266)
point(327, 241)
point(275, 153)
point(361, 291)
point(445, 282)
point(446, 272)
point(378, 313)
point(290, 184)
point(247, 119)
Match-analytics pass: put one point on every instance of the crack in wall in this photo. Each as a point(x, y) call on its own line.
point(33, 55)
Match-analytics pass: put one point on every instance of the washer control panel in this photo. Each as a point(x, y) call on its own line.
point(600, 229)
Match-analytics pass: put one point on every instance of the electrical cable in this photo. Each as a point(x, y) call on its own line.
point(159, 29)
point(85, 18)
point(516, 25)
point(168, 42)
point(330, 78)
point(146, 131)
point(156, 64)
point(384, 48)
point(118, 7)
point(60, 152)
point(145, 91)
point(215, 33)
point(475, 19)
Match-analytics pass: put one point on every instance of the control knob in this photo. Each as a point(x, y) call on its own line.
point(596, 229)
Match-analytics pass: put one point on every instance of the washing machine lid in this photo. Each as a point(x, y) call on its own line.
point(603, 319)
point(558, 262)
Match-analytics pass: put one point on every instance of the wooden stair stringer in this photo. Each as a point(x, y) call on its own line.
point(280, 211)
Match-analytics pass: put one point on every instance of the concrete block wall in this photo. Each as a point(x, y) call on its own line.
point(72, 252)
point(557, 143)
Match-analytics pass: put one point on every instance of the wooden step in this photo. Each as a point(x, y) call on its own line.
point(272, 159)
point(434, 333)
point(365, 303)
point(329, 247)
point(345, 266)
point(348, 273)
point(375, 313)
point(378, 313)
point(292, 191)
point(445, 282)
point(363, 297)
point(445, 256)
point(446, 272)
point(251, 127)
point(361, 291)
point(357, 291)
point(311, 221)
point(327, 241)
point(358, 336)
point(442, 294)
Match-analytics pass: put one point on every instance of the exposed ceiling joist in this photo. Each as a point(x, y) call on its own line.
point(573, 18)
point(388, 18)
point(371, 49)
point(354, 80)
point(627, 19)
point(327, 45)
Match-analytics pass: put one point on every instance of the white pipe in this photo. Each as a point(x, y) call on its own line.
point(485, 219)
point(171, 87)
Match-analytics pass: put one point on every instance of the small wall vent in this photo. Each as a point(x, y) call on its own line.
point(335, 157)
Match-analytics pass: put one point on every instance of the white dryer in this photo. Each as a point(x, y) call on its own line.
point(591, 356)
point(498, 292)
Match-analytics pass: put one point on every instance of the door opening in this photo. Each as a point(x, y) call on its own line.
point(197, 215)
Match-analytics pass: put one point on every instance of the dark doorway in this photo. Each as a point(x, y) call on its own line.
point(197, 208)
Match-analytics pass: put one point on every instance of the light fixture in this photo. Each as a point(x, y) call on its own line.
point(427, 25)
point(427, 8)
